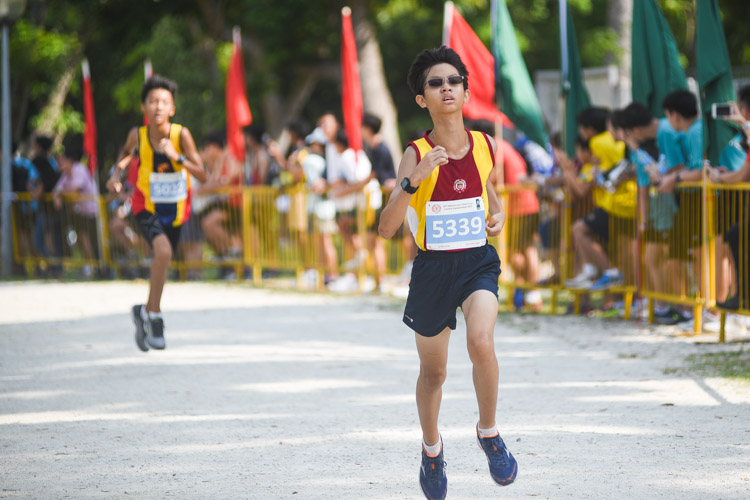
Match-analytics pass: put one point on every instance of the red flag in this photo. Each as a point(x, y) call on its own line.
point(89, 127)
point(481, 66)
point(148, 71)
point(238, 110)
point(351, 90)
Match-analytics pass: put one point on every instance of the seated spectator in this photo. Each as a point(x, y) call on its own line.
point(48, 228)
point(656, 210)
point(738, 237)
point(81, 210)
point(681, 110)
point(23, 178)
point(614, 197)
point(522, 209)
point(220, 212)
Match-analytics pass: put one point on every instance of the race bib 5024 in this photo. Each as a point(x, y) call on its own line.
point(168, 188)
point(455, 225)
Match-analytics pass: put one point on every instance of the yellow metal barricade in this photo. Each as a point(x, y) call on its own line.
point(525, 268)
point(729, 219)
point(675, 247)
point(58, 235)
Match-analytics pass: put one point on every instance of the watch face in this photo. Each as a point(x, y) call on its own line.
point(406, 186)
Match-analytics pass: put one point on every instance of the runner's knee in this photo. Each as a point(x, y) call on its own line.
point(433, 377)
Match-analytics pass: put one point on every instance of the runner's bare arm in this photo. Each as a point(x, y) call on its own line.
point(193, 162)
point(123, 160)
point(496, 220)
point(395, 211)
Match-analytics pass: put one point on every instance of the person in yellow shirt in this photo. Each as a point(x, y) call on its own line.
point(614, 195)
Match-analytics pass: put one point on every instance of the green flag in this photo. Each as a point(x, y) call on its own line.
point(656, 69)
point(714, 76)
point(518, 98)
point(573, 90)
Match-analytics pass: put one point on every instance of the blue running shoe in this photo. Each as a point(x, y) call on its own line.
point(432, 477)
point(503, 467)
point(606, 281)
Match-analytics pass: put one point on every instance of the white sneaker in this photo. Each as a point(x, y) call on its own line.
point(358, 261)
point(582, 281)
point(345, 284)
point(310, 278)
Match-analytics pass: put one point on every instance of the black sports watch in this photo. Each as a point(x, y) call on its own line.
point(181, 159)
point(406, 186)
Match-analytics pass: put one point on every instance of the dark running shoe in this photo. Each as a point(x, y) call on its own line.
point(503, 467)
point(432, 477)
point(732, 303)
point(155, 336)
point(140, 328)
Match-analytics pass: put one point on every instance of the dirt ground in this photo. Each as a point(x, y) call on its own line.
point(264, 394)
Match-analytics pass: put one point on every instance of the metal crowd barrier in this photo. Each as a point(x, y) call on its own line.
point(727, 220)
point(682, 258)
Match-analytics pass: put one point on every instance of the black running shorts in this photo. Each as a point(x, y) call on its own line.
point(151, 227)
point(442, 281)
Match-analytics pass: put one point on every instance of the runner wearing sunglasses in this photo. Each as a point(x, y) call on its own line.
point(451, 208)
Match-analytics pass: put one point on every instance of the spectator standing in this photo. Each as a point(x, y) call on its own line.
point(384, 172)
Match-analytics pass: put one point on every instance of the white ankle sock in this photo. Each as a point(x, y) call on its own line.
point(153, 315)
point(485, 433)
point(433, 450)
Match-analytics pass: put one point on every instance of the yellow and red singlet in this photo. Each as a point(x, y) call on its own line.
point(162, 186)
point(449, 210)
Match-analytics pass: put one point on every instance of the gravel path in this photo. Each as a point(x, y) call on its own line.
point(264, 394)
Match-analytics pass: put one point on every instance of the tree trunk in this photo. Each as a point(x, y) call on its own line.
point(51, 115)
point(619, 18)
point(375, 93)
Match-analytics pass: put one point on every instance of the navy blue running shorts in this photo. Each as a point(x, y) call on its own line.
point(442, 281)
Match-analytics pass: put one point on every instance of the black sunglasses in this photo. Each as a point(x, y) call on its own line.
point(436, 83)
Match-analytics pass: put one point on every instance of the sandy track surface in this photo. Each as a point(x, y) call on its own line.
point(266, 395)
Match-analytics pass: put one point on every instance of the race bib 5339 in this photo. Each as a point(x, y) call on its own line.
point(455, 225)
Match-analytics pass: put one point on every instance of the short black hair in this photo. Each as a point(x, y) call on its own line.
point(158, 82)
point(743, 97)
point(429, 58)
point(593, 117)
point(215, 137)
point(635, 115)
point(256, 131)
point(583, 143)
point(44, 142)
point(617, 118)
point(73, 148)
point(341, 138)
point(483, 125)
point(372, 122)
point(681, 101)
point(298, 126)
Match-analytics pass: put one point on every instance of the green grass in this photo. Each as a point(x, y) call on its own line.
point(730, 364)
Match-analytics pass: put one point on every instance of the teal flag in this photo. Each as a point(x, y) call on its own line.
point(714, 76)
point(512, 82)
point(656, 69)
point(575, 96)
